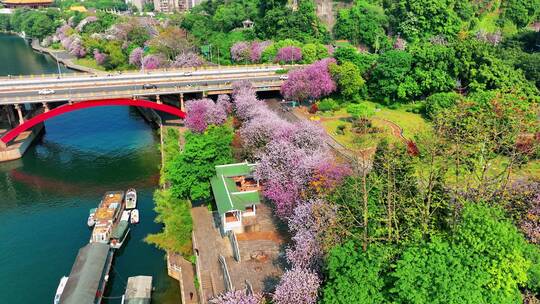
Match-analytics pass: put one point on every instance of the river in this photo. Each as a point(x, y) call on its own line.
point(46, 195)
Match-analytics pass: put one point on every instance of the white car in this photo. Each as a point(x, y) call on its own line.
point(46, 92)
point(284, 77)
point(188, 74)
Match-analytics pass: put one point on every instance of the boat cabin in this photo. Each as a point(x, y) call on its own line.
point(236, 192)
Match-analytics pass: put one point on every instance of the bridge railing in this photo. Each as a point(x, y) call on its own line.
point(260, 85)
point(153, 71)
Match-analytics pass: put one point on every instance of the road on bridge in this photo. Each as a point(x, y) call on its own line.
point(26, 90)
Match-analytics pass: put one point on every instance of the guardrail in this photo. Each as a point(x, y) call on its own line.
point(150, 72)
point(259, 86)
point(226, 275)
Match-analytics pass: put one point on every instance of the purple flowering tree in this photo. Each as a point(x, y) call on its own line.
point(306, 252)
point(312, 82)
point(237, 297)
point(84, 22)
point(257, 48)
point(530, 224)
point(297, 286)
point(204, 112)
point(62, 32)
point(76, 47)
point(136, 56)
point(400, 44)
point(99, 57)
point(151, 62)
point(289, 54)
point(187, 60)
point(240, 51)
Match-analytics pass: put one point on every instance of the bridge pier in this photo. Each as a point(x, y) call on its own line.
point(158, 100)
point(181, 98)
point(46, 107)
point(19, 112)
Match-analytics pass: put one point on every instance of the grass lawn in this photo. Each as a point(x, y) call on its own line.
point(89, 62)
point(411, 123)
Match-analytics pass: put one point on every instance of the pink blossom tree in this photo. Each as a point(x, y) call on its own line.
point(187, 60)
point(237, 297)
point(312, 82)
point(99, 57)
point(136, 56)
point(204, 112)
point(240, 51)
point(297, 286)
point(288, 54)
point(257, 48)
point(76, 47)
point(151, 62)
point(84, 22)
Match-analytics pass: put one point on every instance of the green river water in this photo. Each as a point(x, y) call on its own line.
point(46, 195)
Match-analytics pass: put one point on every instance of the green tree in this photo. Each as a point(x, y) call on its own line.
point(349, 80)
point(364, 61)
point(355, 276)
point(175, 215)
point(360, 110)
point(4, 23)
point(390, 80)
point(521, 12)
point(312, 52)
point(363, 23)
point(440, 101)
point(189, 173)
point(417, 19)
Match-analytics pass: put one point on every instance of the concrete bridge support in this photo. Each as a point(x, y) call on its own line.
point(158, 100)
point(19, 112)
point(46, 107)
point(181, 98)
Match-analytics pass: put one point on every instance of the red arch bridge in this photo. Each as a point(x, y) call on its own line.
point(13, 133)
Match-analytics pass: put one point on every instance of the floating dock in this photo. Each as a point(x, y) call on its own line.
point(89, 275)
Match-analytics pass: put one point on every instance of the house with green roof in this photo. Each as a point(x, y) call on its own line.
point(236, 192)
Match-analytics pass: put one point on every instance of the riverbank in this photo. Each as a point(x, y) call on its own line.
point(63, 57)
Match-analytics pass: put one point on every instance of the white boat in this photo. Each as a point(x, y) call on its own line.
point(60, 290)
point(125, 215)
point(134, 216)
point(91, 218)
point(131, 199)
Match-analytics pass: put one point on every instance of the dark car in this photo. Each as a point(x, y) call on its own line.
point(149, 86)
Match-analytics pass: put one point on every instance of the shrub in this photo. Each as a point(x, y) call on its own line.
point(328, 104)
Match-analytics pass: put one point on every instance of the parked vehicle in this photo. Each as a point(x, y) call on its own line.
point(46, 92)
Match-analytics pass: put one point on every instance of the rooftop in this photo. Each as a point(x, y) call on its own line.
point(86, 274)
point(226, 193)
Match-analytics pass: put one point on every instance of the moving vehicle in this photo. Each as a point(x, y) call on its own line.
point(149, 86)
point(284, 77)
point(46, 92)
point(131, 199)
point(188, 73)
point(134, 216)
point(60, 290)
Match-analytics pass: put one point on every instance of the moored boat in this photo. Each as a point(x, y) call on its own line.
point(119, 234)
point(131, 199)
point(60, 290)
point(134, 216)
point(91, 218)
point(107, 216)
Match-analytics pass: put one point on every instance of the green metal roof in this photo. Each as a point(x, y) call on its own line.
point(226, 194)
point(234, 169)
point(86, 273)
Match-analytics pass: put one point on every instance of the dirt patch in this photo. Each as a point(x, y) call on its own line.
point(260, 236)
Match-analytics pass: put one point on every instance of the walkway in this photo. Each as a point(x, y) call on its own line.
point(209, 244)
